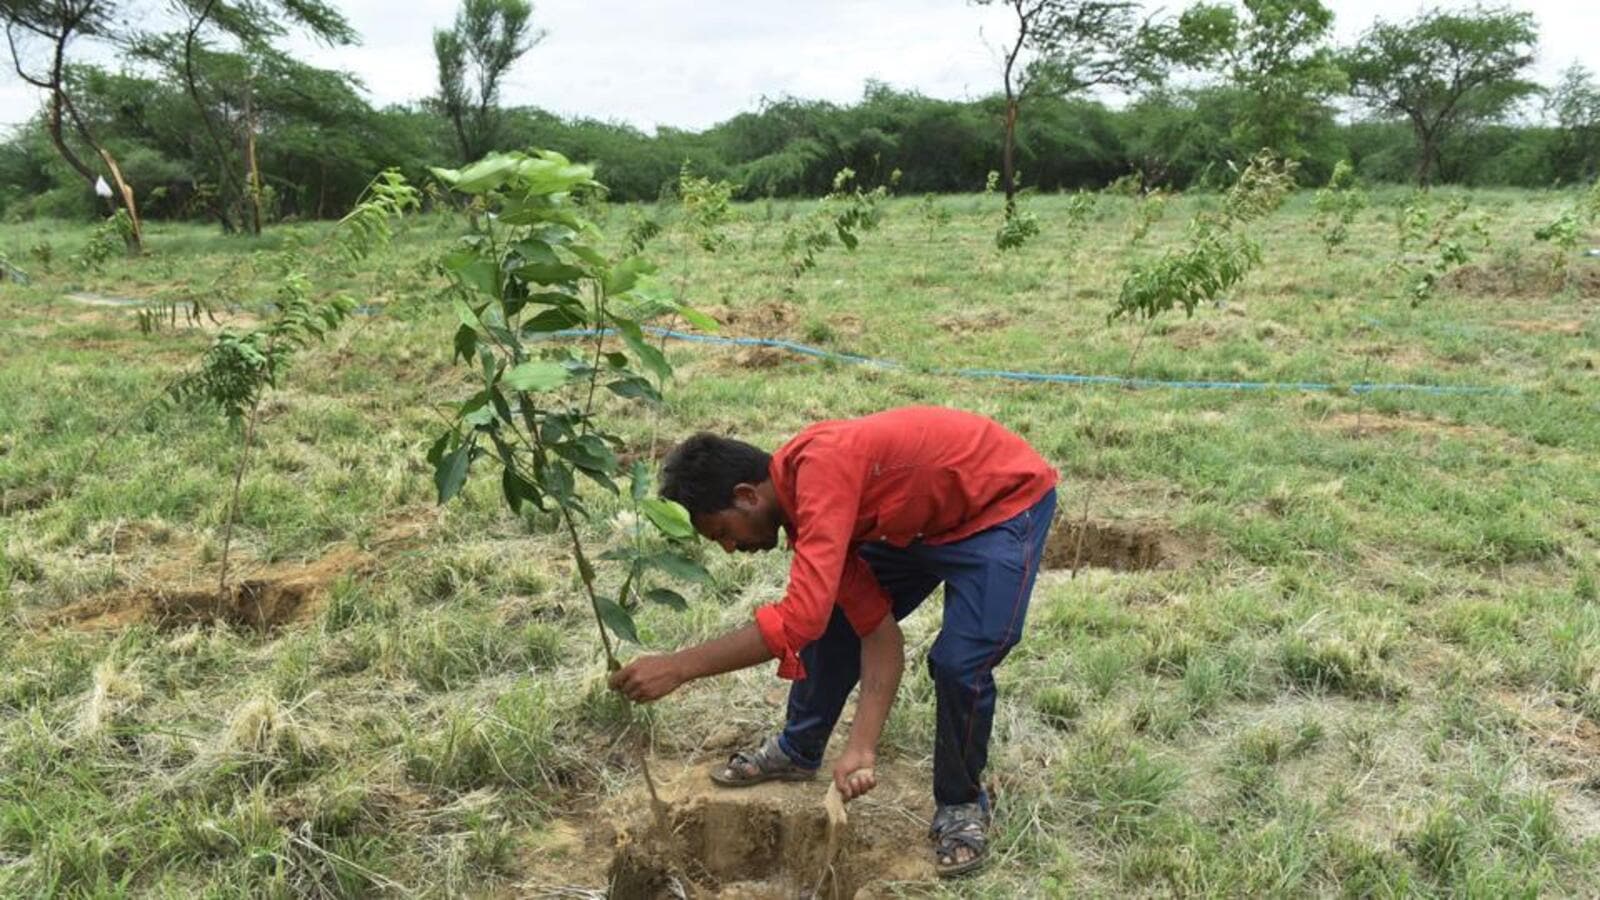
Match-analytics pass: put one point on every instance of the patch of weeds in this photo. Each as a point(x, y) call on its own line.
point(353, 601)
point(448, 651)
point(511, 742)
point(1059, 705)
point(1104, 667)
point(1117, 786)
point(1349, 665)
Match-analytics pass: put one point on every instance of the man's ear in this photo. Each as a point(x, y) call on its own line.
point(746, 497)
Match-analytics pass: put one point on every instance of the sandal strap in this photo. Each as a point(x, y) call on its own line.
point(767, 758)
point(970, 835)
point(958, 817)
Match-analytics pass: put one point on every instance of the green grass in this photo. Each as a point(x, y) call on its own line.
point(1375, 670)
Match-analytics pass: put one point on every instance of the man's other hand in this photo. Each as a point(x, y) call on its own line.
point(648, 678)
point(853, 774)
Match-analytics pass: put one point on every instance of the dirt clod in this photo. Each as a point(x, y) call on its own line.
point(1121, 546)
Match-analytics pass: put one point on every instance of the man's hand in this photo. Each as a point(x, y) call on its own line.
point(648, 678)
point(853, 774)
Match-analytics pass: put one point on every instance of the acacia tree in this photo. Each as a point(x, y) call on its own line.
point(1066, 47)
point(55, 24)
point(1276, 53)
point(487, 38)
point(222, 83)
point(1574, 105)
point(1444, 71)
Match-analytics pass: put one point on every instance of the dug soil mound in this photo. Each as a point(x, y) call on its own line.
point(1526, 279)
point(768, 842)
point(1121, 546)
point(269, 598)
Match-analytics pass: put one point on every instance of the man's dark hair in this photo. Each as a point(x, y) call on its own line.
point(701, 472)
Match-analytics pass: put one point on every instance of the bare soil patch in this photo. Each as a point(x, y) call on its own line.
point(1532, 278)
point(24, 499)
point(1359, 424)
point(1569, 328)
point(975, 322)
point(1121, 546)
point(769, 319)
point(767, 841)
point(269, 599)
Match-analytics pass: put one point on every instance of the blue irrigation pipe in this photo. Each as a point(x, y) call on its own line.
point(1057, 378)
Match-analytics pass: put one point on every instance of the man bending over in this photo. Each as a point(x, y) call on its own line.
point(878, 511)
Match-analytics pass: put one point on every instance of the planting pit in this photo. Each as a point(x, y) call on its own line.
point(263, 600)
point(1121, 546)
point(766, 842)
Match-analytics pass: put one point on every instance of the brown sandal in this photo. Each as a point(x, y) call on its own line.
point(766, 763)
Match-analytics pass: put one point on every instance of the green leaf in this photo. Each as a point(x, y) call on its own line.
point(440, 448)
point(536, 376)
point(634, 388)
point(680, 567)
point(475, 272)
point(466, 343)
point(699, 319)
point(451, 472)
point(667, 597)
point(467, 315)
point(588, 452)
point(648, 355)
point(482, 176)
point(640, 477)
point(517, 490)
point(551, 273)
point(557, 319)
point(670, 517)
point(617, 619)
point(624, 275)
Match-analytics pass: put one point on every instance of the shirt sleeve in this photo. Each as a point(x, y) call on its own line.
point(828, 485)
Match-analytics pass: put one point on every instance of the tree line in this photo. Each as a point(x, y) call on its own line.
point(208, 117)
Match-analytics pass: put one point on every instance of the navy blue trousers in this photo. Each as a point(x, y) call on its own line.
point(987, 579)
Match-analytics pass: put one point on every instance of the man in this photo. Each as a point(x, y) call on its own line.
point(878, 511)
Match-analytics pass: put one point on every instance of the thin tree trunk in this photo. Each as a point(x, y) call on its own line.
point(250, 159)
point(1008, 156)
point(233, 499)
point(135, 235)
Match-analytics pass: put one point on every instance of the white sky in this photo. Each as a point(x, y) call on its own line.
point(692, 63)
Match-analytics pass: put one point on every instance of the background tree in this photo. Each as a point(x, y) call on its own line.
point(1574, 105)
point(54, 24)
point(1276, 55)
point(219, 55)
point(488, 37)
point(1443, 72)
point(1063, 48)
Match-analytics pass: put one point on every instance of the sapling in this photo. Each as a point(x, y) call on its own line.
point(1152, 209)
point(531, 269)
point(1567, 230)
point(843, 215)
point(1220, 252)
point(934, 215)
point(239, 368)
point(1338, 204)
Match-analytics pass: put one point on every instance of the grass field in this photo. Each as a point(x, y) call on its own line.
point(1328, 643)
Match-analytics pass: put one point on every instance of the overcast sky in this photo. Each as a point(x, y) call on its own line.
point(692, 63)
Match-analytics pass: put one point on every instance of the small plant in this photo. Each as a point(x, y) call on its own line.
point(531, 269)
point(1151, 210)
point(1017, 228)
point(110, 237)
point(843, 215)
point(642, 229)
point(240, 367)
point(1445, 234)
point(935, 216)
point(43, 253)
point(1338, 205)
point(707, 205)
point(1566, 232)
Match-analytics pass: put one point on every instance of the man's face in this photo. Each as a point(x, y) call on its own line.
point(748, 526)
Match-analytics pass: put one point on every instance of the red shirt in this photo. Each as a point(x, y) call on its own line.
point(920, 473)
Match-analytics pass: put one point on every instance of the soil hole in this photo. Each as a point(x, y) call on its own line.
point(260, 605)
point(735, 849)
point(1118, 546)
